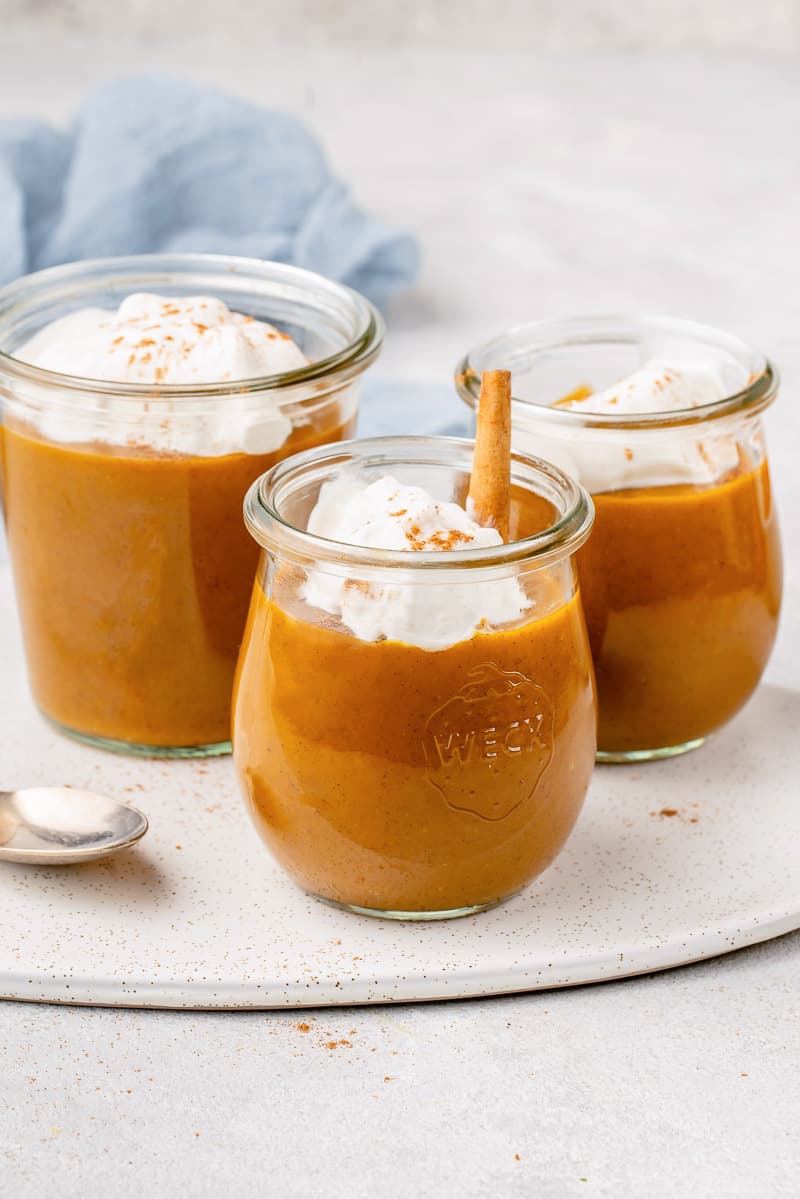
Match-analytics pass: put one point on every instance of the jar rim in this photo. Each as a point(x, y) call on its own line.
point(521, 342)
point(273, 531)
point(143, 270)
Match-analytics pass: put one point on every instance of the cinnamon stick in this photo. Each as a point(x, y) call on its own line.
point(489, 498)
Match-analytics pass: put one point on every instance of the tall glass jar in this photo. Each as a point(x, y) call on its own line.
point(123, 501)
point(432, 764)
point(681, 578)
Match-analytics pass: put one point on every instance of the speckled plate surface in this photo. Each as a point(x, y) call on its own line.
point(670, 863)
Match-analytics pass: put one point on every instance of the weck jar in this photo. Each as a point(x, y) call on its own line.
point(681, 578)
point(414, 731)
point(122, 500)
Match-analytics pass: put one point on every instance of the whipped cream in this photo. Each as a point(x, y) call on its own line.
point(386, 514)
point(611, 459)
point(162, 340)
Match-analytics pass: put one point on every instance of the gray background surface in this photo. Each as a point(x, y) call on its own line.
point(748, 27)
point(546, 168)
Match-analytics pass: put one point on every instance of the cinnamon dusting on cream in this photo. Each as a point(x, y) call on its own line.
point(152, 339)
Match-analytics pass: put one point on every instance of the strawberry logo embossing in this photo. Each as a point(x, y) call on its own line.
point(487, 747)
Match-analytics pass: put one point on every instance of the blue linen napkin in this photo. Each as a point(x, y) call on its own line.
point(153, 163)
point(409, 406)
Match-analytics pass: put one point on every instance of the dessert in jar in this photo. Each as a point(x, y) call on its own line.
point(660, 420)
point(140, 399)
point(414, 710)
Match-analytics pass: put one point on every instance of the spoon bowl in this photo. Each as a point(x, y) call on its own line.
point(61, 826)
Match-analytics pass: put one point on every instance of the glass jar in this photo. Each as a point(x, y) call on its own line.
point(123, 501)
point(681, 578)
point(431, 774)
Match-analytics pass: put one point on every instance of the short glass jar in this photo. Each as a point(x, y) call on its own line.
point(132, 570)
point(434, 775)
point(681, 579)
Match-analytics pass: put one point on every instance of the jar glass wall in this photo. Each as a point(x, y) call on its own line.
point(433, 773)
point(681, 578)
point(123, 501)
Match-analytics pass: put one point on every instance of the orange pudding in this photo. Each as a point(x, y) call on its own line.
point(133, 573)
point(387, 777)
point(141, 397)
point(660, 420)
point(682, 590)
point(407, 779)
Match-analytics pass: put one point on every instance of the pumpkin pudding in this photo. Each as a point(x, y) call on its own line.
point(123, 507)
point(681, 578)
point(414, 734)
point(137, 642)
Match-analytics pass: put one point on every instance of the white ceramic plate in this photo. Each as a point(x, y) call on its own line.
point(198, 916)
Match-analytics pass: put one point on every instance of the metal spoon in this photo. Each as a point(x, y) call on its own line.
point(59, 826)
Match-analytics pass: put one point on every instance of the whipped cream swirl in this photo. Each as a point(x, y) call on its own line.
point(611, 459)
point(386, 514)
point(162, 340)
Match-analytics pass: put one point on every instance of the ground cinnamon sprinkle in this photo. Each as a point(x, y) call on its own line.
point(414, 536)
point(668, 813)
point(440, 539)
point(303, 1027)
point(449, 540)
